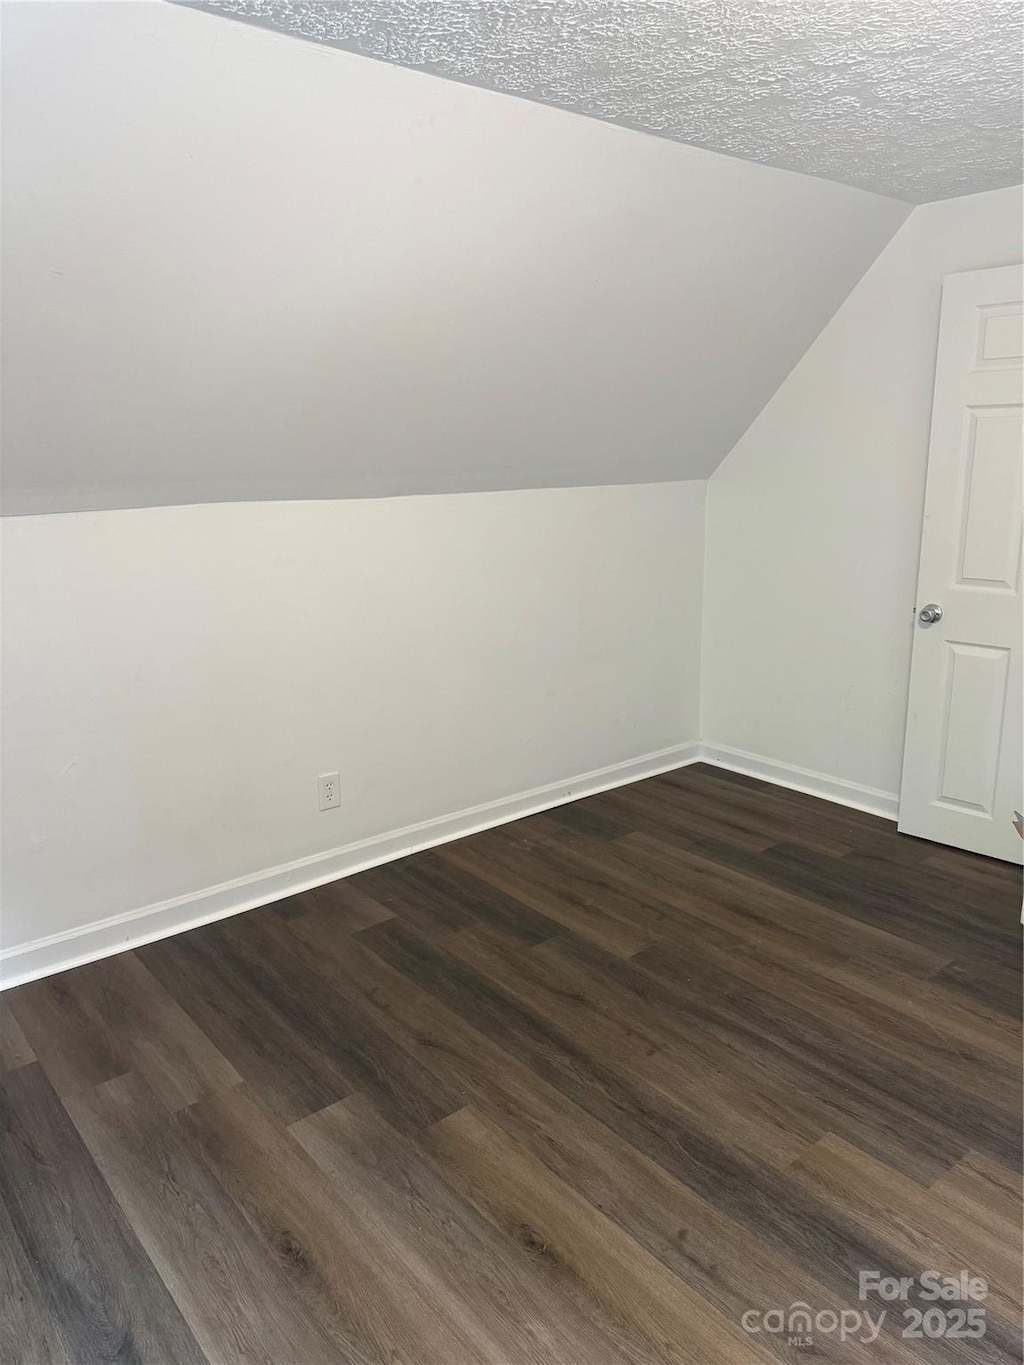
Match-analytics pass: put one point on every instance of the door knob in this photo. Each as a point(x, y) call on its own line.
point(930, 614)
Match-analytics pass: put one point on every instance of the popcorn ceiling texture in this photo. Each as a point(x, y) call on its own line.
point(919, 99)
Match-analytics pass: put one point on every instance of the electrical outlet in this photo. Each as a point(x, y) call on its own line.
point(328, 790)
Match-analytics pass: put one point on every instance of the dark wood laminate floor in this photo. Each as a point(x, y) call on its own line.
point(584, 1089)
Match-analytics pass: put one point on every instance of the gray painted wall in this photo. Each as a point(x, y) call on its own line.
point(242, 267)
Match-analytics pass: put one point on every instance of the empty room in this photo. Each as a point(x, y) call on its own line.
point(512, 756)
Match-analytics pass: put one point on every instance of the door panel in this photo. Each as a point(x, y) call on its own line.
point(963, 762)
point(991, 521)
point(973, 726)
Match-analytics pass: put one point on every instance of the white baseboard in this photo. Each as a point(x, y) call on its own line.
point(57, 952)
point(870, 799)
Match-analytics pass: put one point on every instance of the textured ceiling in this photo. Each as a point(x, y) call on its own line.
point(919, 99)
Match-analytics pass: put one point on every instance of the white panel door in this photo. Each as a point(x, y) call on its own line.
point(963, 761)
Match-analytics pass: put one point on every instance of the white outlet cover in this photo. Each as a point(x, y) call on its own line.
point(328, 786)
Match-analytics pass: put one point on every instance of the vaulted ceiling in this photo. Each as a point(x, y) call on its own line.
point(238, 266)
point(920, 99)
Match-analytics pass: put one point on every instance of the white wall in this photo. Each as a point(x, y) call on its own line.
point(814, 519)
point(176, 678)
point(241, 266)
point(413, 284)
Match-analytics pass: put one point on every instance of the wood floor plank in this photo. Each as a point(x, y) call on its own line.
point(976, 1026)
point(52, 1016)
point(888, 1026)
point(802, 810)
point(28, 1331)
point(824, 1083)
point(884, 1102)
point(728, 1263)
point(686, 1080)
point(231, 1285)
point(718, 1257)
point(662, 806)
point(772, 1062)
point(351, 908)
point(15, 1050)
point(998, 908)
point(368, 1059)
point(817, 825)
point(657, 906)
point(768, 907)
point(427, 884)
point(374, 1300)
point(993, 987)
point(971, 870)
point(225, 998)
point(583, 820)
point(568, 903)
point(129, 1009)
point(872, 898)
point(664, 1215)
point(984, 1193)
point(982, 1056)
point(789, 1219)
point(510, 1310)
point(101, 1291)
point(525, 1198)
point(919, 1222)
point(407, 890)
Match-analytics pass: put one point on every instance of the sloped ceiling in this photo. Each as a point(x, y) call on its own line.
point(920, 99)
point(239, 266)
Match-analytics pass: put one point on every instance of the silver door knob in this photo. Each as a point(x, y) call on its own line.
point(930, 614)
